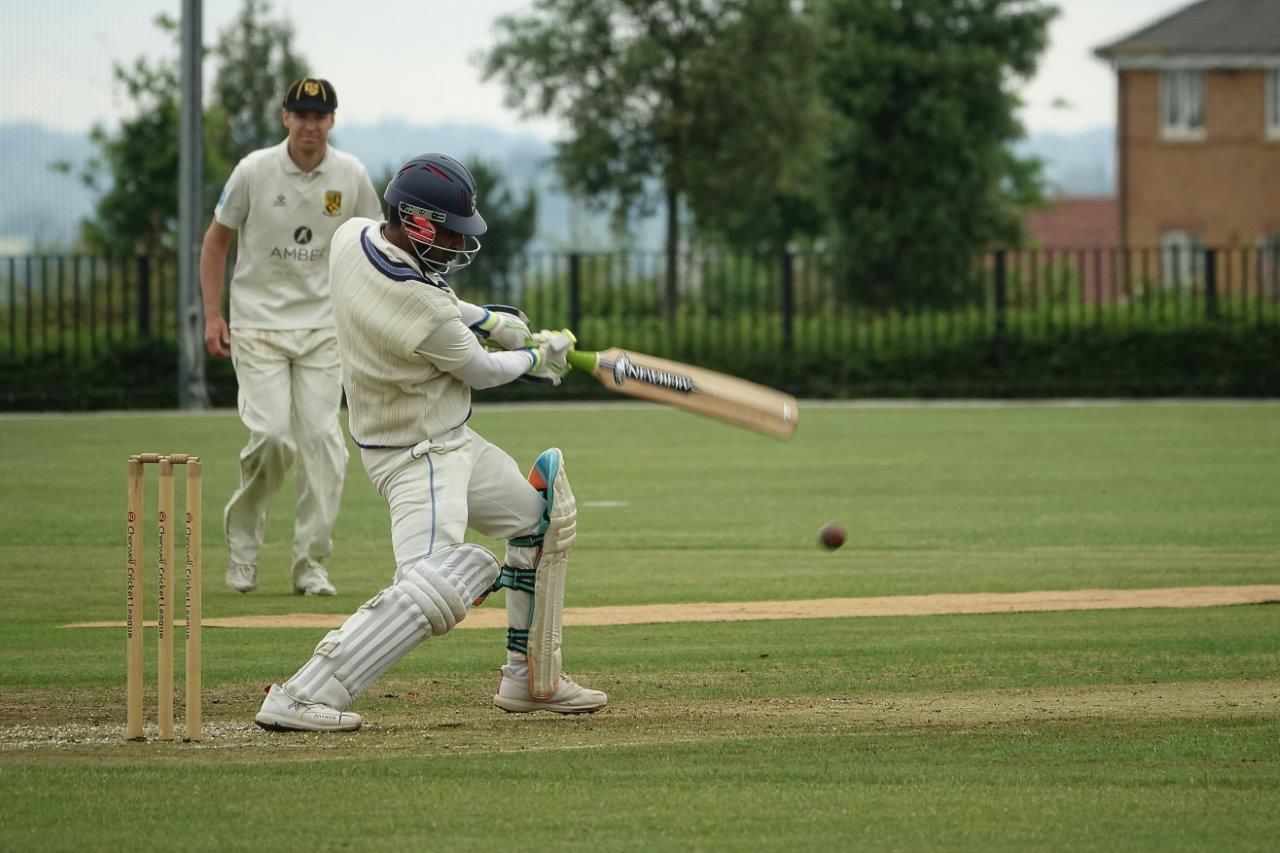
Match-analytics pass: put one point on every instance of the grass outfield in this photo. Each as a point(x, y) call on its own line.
point(1152, 729)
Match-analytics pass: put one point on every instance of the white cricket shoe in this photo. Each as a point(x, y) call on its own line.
point(514, 697)
point(282, 712)
point(242, 577)
point(310, 578)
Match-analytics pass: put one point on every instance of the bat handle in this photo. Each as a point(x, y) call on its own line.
point(584, 360)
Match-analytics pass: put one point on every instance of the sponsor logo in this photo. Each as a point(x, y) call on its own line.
point(332, 203)
point(302, 236)
point(624, 370)
point(288, 253)
point(279, 202)
point(414, 210)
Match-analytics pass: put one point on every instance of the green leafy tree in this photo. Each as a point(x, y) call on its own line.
point(920, 178)
point(754, 168)
point(256, 61)
point(512, 218)
point(653, 92)
point(135, 168)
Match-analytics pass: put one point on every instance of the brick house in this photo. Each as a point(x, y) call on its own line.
point(1076, 222)
point(1075, 235)
point(1198, 130)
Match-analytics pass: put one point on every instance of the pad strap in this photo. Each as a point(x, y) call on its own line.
point(511, 577)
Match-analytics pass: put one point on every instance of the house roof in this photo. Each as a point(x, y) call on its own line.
point(1220, 28)
point(1076, 222)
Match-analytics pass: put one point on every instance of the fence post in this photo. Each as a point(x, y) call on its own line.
point(143, 308)
point(1001, 305)
point(1211, 283)
point(1001, 295)
point(575, 292)
point(788, 300)
point(671, 295)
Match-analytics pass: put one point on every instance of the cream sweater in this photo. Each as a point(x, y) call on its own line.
point(384, 308)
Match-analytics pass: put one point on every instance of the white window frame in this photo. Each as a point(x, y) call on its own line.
point(1181, 260)
point(1182, 104)
point(1273, 103)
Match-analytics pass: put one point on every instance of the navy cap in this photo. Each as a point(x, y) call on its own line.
point(310, 94)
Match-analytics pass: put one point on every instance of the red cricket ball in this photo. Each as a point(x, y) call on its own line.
point(832, 536)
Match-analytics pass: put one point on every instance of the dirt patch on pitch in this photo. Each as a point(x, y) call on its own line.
point(474, 727)
point(819, 608)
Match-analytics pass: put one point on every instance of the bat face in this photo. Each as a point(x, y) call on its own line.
point(695, 389)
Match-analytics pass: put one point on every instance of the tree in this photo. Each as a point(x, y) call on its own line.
point(634, 79)
point(921, 178)
point(135, 170)
point(255, 63)
point(512, 218)
point(754, 172)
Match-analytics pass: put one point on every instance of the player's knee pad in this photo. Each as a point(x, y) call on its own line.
point(427, 599)
point(557, 528)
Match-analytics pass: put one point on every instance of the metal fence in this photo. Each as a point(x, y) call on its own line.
point(72, 308)
point(734, 312)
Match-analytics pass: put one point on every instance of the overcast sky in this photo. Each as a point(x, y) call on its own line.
point(56, 58)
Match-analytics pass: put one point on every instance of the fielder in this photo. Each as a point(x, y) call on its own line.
point(285, 203)
point(410, 355)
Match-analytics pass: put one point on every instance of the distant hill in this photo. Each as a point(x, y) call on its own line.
point(41, 207)
point(387, 144)
point(1076, 163)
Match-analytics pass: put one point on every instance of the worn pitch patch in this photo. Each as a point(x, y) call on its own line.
point(817, 608)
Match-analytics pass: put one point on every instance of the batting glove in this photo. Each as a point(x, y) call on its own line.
point(505, 327)
point(549, 356)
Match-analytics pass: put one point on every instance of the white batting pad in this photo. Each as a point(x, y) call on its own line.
point(427, 599)
point(546, 624)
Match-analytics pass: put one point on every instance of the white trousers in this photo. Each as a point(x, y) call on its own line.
point(290, 397)
point(440, 487)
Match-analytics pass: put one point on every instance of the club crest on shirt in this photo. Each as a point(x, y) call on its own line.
point(332, 202)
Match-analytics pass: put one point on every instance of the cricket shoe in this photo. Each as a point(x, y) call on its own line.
point(242, 577)
point(310, 578)
point(514, 696)
point(282, 712)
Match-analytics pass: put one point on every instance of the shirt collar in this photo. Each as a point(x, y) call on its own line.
point(291, 168)
point(391, 250)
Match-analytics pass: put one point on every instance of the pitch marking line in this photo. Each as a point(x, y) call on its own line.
point(817, 608)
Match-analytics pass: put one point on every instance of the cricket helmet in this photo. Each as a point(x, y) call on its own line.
point(434, 191)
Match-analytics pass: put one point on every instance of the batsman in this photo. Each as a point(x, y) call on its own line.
point(411, 353)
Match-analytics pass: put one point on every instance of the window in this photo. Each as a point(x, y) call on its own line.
point(1181, 259)
point(1273, 103)
point(1182, 104)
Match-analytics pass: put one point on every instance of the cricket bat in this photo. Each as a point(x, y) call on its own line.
point(694, 389)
